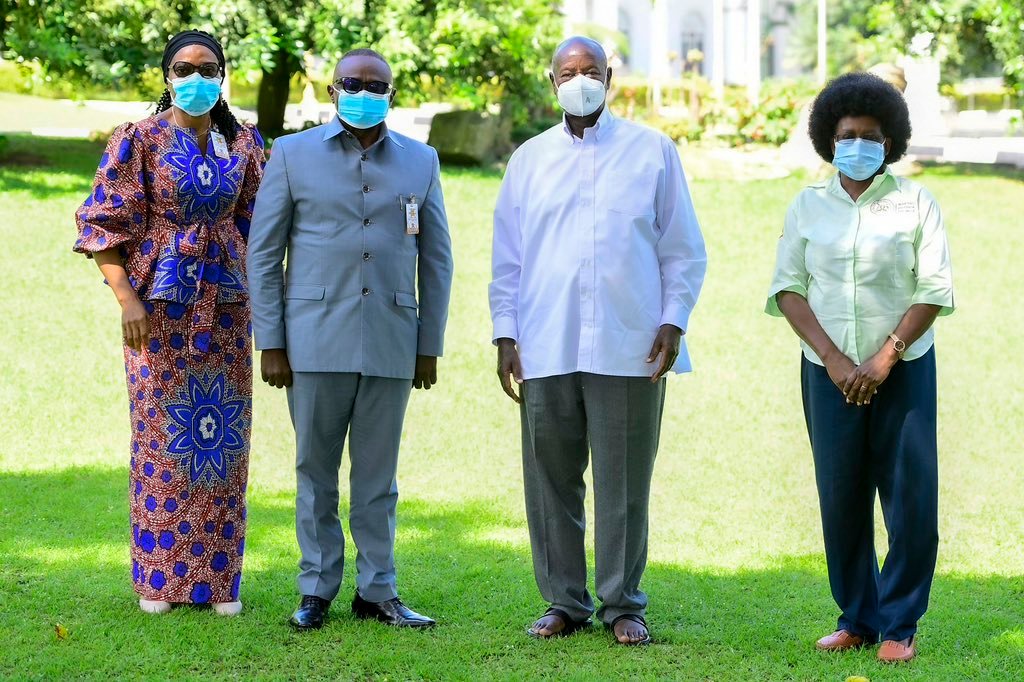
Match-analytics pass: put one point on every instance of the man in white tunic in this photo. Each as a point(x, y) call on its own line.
point(597, 264)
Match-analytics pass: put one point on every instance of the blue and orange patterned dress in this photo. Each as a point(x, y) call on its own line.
point(180, 219)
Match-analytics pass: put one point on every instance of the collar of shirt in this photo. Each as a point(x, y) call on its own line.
point(883, 182)
point(333, 128)
point(605, 124)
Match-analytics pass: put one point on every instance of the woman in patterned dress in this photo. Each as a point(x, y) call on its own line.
point(167, 223)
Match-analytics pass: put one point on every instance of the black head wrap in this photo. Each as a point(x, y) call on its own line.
point(191, 37)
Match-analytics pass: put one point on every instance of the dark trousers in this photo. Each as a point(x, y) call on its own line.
point(617, 421)
point(888, 446)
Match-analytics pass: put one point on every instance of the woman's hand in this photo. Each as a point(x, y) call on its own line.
point(839, 368)
point(862, 384)
point(134, 323)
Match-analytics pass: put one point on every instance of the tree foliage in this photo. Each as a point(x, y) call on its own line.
point(1005, 29)
point(969, 37)
point(99, 41)
point(477, 53)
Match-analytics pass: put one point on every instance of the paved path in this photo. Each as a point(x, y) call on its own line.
point(987, 150)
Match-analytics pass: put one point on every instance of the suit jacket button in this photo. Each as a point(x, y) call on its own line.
point(366, 188)
point(366, 292)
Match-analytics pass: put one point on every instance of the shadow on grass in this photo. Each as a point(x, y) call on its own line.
point(63, 558)
point(46, 167)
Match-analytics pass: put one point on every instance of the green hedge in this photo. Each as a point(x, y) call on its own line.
point(732, 117)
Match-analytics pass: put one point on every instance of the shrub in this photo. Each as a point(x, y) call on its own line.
point(732, 117)
point(770, 121)
point(679, 129)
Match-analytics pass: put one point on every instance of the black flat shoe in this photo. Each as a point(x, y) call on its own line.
point(571, 626)
point(310, 614)
point(391, 612)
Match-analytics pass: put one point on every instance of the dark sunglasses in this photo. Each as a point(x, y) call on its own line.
point(186, 69)
point(354, 85)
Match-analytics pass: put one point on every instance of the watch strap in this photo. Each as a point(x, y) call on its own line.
point(898, 345)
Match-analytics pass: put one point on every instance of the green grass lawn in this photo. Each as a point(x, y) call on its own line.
point(736, 577)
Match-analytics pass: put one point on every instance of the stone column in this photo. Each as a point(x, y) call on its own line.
point(922, 95)
point(753, 50)
point(659, 50)
point(718, 46)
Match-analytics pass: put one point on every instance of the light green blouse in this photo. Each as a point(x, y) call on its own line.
point(862, 265)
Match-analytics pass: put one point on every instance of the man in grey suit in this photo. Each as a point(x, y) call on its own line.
point(358, 210)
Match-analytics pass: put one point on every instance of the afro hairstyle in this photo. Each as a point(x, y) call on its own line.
point(859, 94)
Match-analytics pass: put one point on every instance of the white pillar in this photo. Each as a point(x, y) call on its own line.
point(822, 42)
point(718, 47)
point(606, 13)
point(754, 49)
point(659, 50)
point(225, 86)
point(922, 96)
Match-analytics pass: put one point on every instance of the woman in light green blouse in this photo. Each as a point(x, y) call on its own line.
point(862, 272)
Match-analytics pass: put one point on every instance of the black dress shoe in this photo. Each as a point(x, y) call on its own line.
point(310, 614)
point(392, 612)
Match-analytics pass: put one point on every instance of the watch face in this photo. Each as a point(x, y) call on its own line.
point(899, 346)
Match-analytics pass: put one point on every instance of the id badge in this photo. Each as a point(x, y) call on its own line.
point(220, 145)
point(412, 216)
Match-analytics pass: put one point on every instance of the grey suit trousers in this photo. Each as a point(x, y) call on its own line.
point(618, 419)
point(325, 407)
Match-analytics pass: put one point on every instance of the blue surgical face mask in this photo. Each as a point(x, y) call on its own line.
point(362, 110)
point(858, 159)
point(194, 94)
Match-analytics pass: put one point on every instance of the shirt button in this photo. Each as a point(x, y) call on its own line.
point(363, 157)
point(366, 255)
point(367, 222)
point(366, 188)
point(366, 292)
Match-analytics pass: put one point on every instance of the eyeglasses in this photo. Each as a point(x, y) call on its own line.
point(880, 139)
point(186, 69)
point(354, 85)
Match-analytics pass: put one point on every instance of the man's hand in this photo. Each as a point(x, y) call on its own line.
point(135, 323)
point(509, 367)
point(275, 368)
point(426, 372)
point(863, 382)
point(666, 345)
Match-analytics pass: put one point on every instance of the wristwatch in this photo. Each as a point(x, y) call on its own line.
point(898, 345)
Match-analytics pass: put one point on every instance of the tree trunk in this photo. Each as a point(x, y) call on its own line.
point(273, 95)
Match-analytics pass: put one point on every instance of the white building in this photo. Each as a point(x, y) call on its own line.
point(742, 41)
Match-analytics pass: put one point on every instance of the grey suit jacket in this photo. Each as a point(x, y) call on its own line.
point(347, 301)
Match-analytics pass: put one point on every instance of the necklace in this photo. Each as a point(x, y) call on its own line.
point(174, 117)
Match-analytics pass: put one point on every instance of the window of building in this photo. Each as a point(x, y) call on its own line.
point(692, 38)
point(626, 29)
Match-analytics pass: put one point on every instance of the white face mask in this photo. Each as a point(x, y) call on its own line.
point(581, 96)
